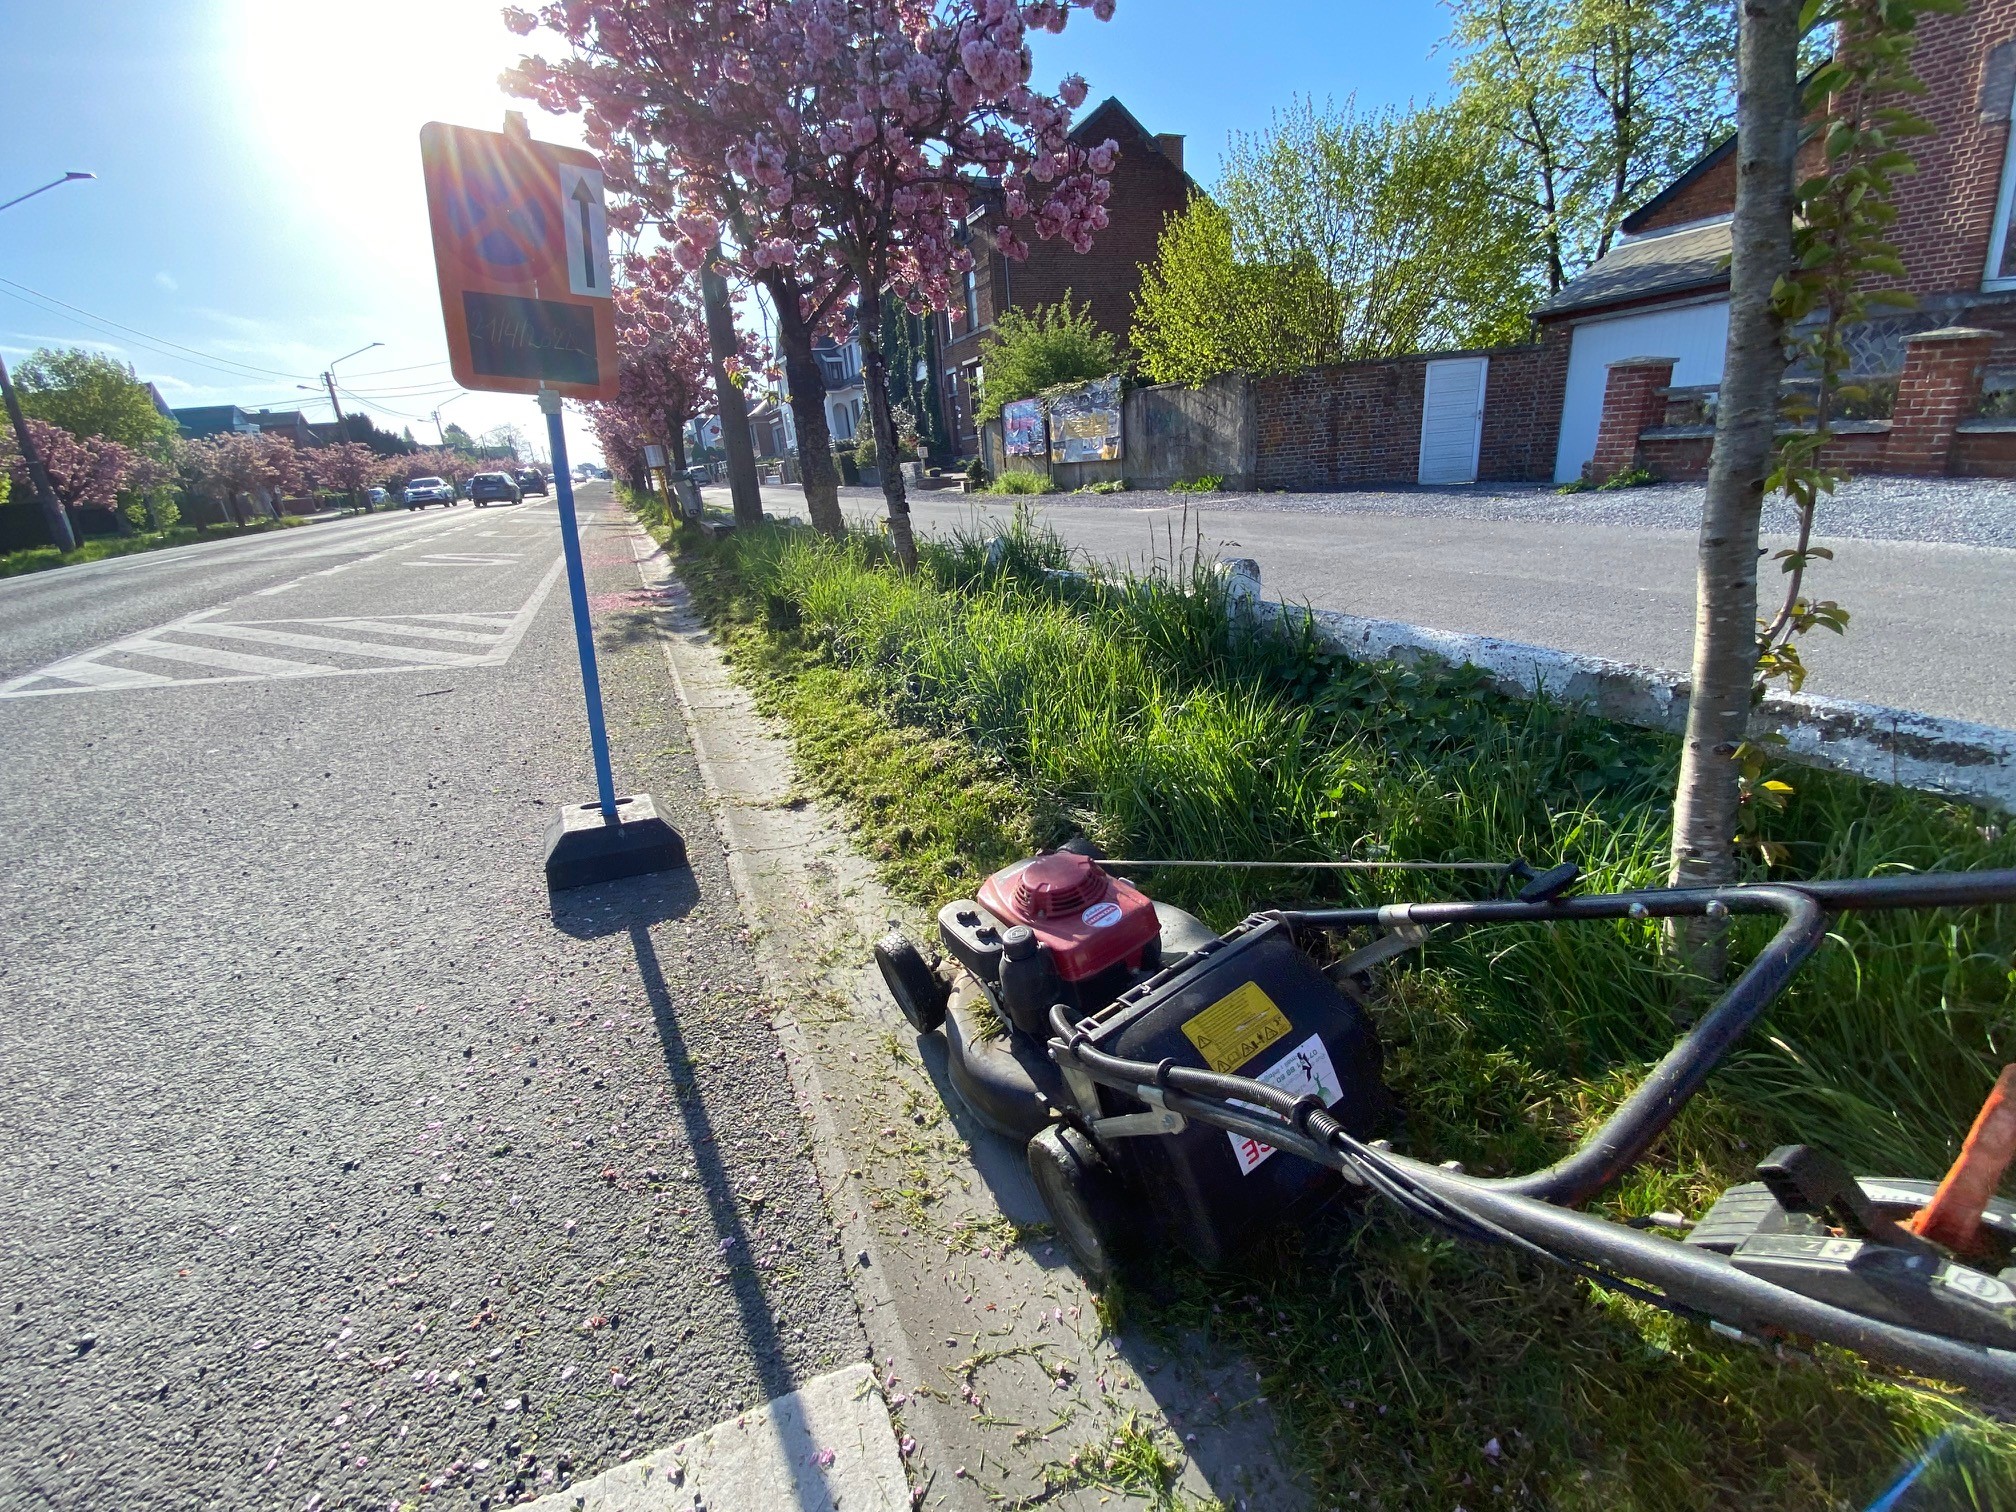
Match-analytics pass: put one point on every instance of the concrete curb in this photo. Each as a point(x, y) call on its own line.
point(1921, 751)
point(987, 1345)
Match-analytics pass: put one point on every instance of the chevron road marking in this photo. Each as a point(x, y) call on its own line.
point(323, 647)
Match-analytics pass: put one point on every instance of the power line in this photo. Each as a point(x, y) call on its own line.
point(414, 367)
point(106, 320)
point(119, 339)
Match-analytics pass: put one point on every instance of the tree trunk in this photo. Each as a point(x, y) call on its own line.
point(733, 406)
point(816, 469)
point(1705, 805)
point(875, 377)
point(678, 445)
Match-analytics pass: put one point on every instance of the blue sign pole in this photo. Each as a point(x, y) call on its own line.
point(577, 590)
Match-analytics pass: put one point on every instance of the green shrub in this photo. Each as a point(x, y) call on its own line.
point(1110, 486)
point(1028, 352)
point(1209, 483)
point(1016, 481)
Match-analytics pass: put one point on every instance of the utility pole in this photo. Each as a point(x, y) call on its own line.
point(734, 408)
point(53, 514)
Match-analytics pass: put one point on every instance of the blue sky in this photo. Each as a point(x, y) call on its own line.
point(258, 208)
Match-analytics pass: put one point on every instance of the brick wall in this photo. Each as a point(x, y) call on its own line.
point(1936, 391)
point(1946, 211)
point(1360, 423)
point(1634, 398)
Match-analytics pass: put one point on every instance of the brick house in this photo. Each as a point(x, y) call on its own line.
point(1647, 323)
point(1149, 186)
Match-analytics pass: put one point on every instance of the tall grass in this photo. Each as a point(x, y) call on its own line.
point(1141, 713)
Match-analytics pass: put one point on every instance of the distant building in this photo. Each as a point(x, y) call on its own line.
point(1149, 186)
point(846, 395)
point(293, 425)
point(206, 420)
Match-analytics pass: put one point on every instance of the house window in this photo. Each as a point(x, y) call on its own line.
point(972, 290)
point(2001, 270)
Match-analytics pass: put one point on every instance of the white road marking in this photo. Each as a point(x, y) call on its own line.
point(412, 632)
point(91, 674)
point(266, 635)
point(460, 559)
point(214, 656)
point(491, 639)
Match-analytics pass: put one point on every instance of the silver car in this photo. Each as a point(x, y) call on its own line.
point(424, 491)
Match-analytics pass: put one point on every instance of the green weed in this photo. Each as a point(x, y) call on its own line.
point(1016, 481)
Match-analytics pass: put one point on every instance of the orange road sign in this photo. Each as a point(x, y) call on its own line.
point(521, 247)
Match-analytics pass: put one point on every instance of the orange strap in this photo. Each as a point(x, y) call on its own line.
point(1953, 1216)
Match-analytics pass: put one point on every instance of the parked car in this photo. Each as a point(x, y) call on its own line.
point(424, 491)
point(531, 481)
point(494, 488)
point(379, 496)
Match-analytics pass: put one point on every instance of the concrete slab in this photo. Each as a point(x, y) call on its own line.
point(826, 1447)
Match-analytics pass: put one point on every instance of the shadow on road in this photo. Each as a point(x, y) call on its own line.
point(609, 908)
point(759, 1327)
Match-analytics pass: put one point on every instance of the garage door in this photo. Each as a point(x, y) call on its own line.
point(1452, 419)
point(1693, 335)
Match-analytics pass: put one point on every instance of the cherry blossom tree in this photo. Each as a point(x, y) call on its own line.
point(86, 472)
point(663, 369)
point(236, 470)
point(833, 142)
point(348, 467)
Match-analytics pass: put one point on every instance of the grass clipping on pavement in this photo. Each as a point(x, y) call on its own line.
point(989, 706)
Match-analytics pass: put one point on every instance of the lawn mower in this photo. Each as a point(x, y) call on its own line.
point(1175, 1087)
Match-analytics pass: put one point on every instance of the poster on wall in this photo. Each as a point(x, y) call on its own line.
point(1022, 428)
point(1085, 423)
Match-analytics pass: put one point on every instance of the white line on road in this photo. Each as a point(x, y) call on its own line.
point(213, 656)
point(492, 638)
point(266, 635)
point(93, 675)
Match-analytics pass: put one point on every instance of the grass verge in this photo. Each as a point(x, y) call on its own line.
point(98, 548)
point(985, 706)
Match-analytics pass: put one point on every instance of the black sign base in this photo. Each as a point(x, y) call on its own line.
point(581, 850)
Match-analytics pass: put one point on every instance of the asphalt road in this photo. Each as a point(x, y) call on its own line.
point(1932, 626)
point(341, 1169)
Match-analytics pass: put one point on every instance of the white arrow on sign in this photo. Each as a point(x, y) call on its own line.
point(586, 218)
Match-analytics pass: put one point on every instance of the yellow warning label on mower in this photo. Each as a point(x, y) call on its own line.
point(1237, 1027)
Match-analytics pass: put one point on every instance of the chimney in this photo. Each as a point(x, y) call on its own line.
point(1171, 143)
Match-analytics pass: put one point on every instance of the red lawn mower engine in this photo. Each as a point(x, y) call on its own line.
point(1147, 980)
point(1069, 933)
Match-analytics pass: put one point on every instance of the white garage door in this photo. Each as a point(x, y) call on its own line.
point(1452, 419)
point(1694, 335)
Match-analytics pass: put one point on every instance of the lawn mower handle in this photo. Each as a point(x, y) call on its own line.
point(1694, 1279)
point(1806, 908)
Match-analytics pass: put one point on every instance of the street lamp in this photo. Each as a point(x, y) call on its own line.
point(342, 425)
point(68, 178)
point(439, 432)
point(53, 514)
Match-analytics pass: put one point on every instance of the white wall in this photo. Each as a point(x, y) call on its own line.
point(1694, 335)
